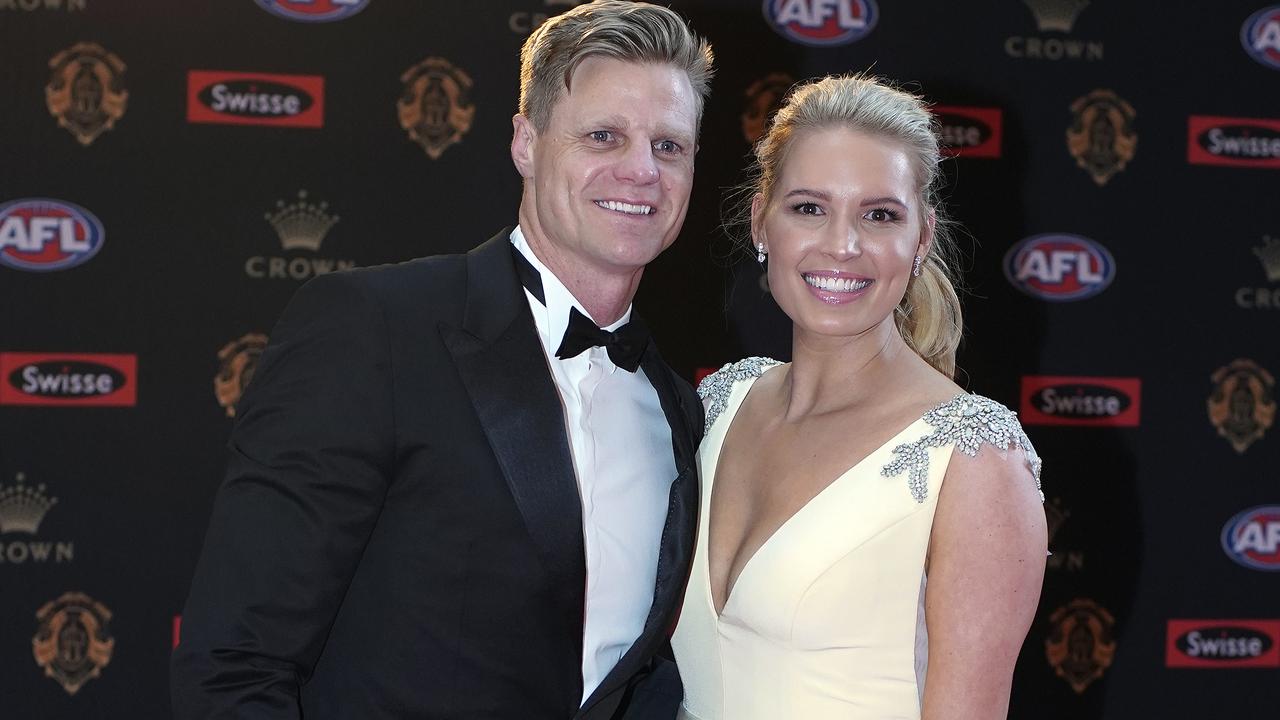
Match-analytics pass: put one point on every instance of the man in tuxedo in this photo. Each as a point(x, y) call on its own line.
point(451, 493)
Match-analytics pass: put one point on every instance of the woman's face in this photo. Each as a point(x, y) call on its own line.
point(842, 229)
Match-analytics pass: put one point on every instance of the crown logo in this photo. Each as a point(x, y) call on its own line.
point(301, 224)
point(1055, 516)
point(1057, 15)
point(1269, 254)
point(22, 507)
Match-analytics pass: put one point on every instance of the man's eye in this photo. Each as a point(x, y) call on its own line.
point(667, 146)
point(602, 136)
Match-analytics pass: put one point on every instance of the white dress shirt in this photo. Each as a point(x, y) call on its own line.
point(622, 456)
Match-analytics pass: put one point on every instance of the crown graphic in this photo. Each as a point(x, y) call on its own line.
point(1055, 516)
point(301, 224)
point(1057, 15)
point(22, 507)
point(1269, 254)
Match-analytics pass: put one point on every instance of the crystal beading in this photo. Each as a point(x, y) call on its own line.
point(968, 421)
point(719, 385)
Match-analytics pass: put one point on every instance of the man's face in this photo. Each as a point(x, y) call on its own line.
point(607, 182)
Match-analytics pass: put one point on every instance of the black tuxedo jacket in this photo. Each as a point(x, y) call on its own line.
point(399, 534)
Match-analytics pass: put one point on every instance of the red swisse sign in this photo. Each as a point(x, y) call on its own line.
point(1239, 142)
point(1223, 643)
point(248, 98)
point(970, 131)
point(68, 379)
point(1061, 400)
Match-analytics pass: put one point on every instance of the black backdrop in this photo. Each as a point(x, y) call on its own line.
point(1135, 329)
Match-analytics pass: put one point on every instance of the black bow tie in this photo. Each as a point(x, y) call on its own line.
point(625, 345)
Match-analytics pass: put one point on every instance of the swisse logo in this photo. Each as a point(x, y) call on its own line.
point(1252, 538)
point(1056, 400)
point(970, 131)
point(822, 22)
point(313, 10)
point(1260, 36)
point(1223, 643)
point(44, 235)
point(1058, 267)
point(230, 98)
point(68, 379)
point(1241, 142)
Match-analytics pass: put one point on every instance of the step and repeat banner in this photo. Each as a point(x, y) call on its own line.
point(170, 173)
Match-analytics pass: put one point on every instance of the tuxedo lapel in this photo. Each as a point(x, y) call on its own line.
point(500, 360)
point(676, 546)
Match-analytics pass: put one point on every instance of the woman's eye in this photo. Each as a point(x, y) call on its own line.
point(808, 209)
point(882, 215)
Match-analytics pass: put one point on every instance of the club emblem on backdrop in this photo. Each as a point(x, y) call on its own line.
point(237, 361)
point(86, 90)
point(1080, 645)
point(1242, 405)
point(73, 642)
point(1101, 136)
point(435, 106)
point(764, 97)
point(1055, 15)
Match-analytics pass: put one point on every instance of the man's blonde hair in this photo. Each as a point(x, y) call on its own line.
point(630, 31)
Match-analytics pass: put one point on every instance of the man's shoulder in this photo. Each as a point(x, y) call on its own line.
point(421, 282)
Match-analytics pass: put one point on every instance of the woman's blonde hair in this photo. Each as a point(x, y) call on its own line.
point(929, 314)
point(629, 31)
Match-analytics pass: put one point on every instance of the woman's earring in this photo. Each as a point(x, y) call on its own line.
point(915, 268)
point(760, 253)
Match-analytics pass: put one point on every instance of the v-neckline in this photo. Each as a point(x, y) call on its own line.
point(732, 583)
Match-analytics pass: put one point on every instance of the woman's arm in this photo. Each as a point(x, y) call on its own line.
point(986, 566)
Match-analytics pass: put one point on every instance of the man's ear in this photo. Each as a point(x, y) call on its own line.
point(523, 139)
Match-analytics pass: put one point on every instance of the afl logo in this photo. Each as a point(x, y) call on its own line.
point(1260, 36)
point(43, 235)
point(313, 10)
point(1059, 267)
point(1252, 538)
point(822, 22)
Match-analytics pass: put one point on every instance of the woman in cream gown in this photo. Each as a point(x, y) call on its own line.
point(871, 542)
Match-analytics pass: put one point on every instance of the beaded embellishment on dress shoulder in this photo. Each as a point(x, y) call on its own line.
point(968, 421)
point(719, 385)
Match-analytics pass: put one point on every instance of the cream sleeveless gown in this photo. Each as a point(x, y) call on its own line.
point(826, 620)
